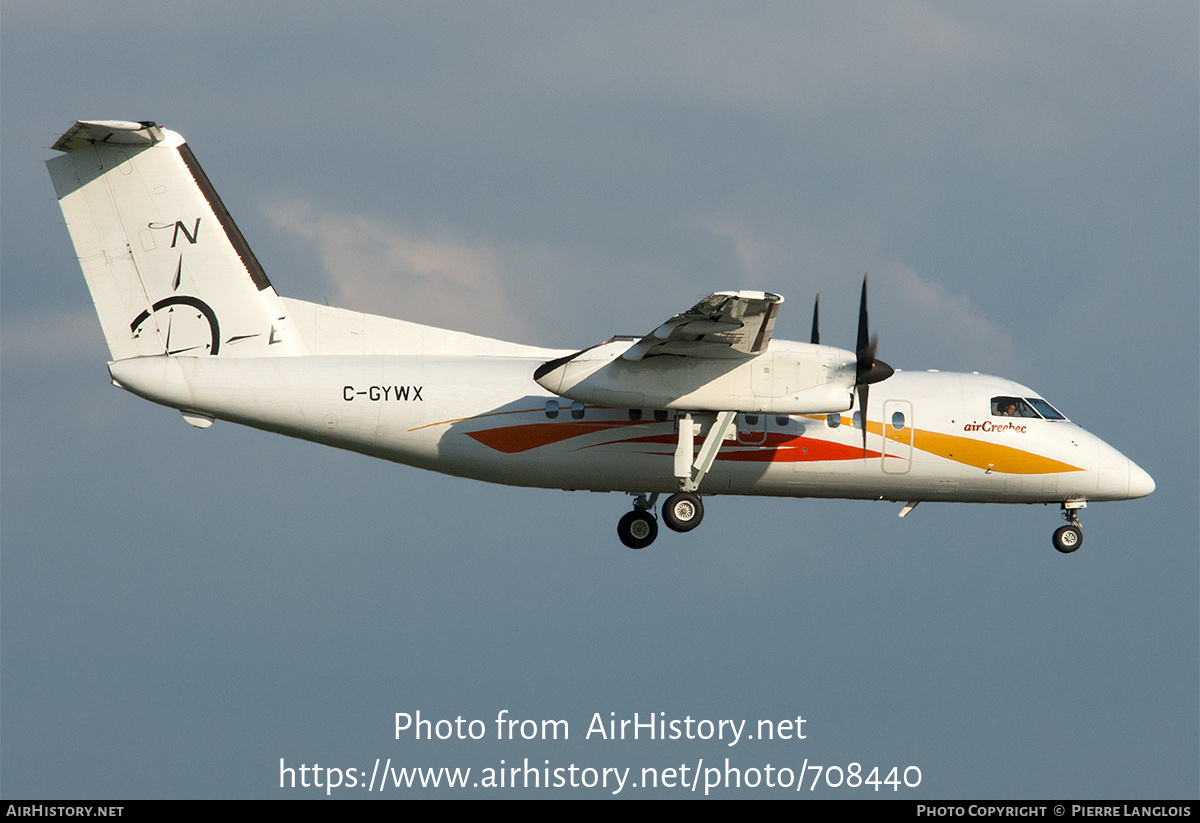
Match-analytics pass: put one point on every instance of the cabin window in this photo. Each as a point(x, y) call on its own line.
point(552, 409)
point(897, 420)
point(833, 420)
point(751, 419)
point(781, 420)
point(577, 410)
point(856, 420)
point(660, 415)
point(635, 415)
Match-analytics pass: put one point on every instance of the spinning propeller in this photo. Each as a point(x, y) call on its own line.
point(867, 368)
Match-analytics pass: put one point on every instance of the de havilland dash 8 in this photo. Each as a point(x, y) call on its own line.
point(707, 403)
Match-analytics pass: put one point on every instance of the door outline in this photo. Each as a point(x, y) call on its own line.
point(897, 444)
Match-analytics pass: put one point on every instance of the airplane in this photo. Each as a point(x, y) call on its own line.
point(705, 404)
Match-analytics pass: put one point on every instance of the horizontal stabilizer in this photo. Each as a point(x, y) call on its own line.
point(113, 132)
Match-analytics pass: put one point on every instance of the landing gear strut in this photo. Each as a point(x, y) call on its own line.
point(1070, 537)
point(683, 510)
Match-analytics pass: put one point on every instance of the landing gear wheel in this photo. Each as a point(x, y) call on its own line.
point(637, 529)
point(683, 511)
point(1068, 538)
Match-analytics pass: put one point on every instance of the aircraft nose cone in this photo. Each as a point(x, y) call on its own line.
point(1140, 483)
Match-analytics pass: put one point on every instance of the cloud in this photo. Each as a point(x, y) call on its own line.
point(387, 268)
point(925, 324)
point(62, 337)
point(944, 329)
point(774, 58)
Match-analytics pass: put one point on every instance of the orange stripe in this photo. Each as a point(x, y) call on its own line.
point(472, 417)
point(514, 439)
point(776, 448)
point(800, 450)
point(784, 448)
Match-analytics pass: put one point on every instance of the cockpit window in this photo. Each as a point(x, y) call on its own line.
point(1012, 407)
point(1035, 407)
point(1045, 409)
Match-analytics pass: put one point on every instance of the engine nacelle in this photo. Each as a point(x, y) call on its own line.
point(788, 378)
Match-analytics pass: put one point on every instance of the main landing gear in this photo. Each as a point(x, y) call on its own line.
point(638, 528)
point(1070, 537)
point(682, 512)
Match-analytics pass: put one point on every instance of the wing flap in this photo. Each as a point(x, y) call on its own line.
point(724, 324)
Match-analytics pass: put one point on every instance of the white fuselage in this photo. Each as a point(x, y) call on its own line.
point(930, 435)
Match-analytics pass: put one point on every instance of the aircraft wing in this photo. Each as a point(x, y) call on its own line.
point(724, 324)
point(714, 357)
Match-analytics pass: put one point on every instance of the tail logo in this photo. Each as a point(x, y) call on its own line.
point(186, 324)
point(179, 226)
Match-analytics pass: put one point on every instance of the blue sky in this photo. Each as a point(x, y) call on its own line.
point(181, 608)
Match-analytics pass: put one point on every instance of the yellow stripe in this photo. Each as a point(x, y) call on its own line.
point(970, 451)
point(990, 456)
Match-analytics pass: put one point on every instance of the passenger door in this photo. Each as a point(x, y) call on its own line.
point(897, 436)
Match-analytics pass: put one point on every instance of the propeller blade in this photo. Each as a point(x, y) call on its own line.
point(867, 369)
point(863, 342)
point(816, 333)
point(863, 392)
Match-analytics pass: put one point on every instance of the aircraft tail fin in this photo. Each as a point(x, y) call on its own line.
point(168, 269)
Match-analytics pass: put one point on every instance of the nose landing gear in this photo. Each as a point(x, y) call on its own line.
point(1070, 537)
